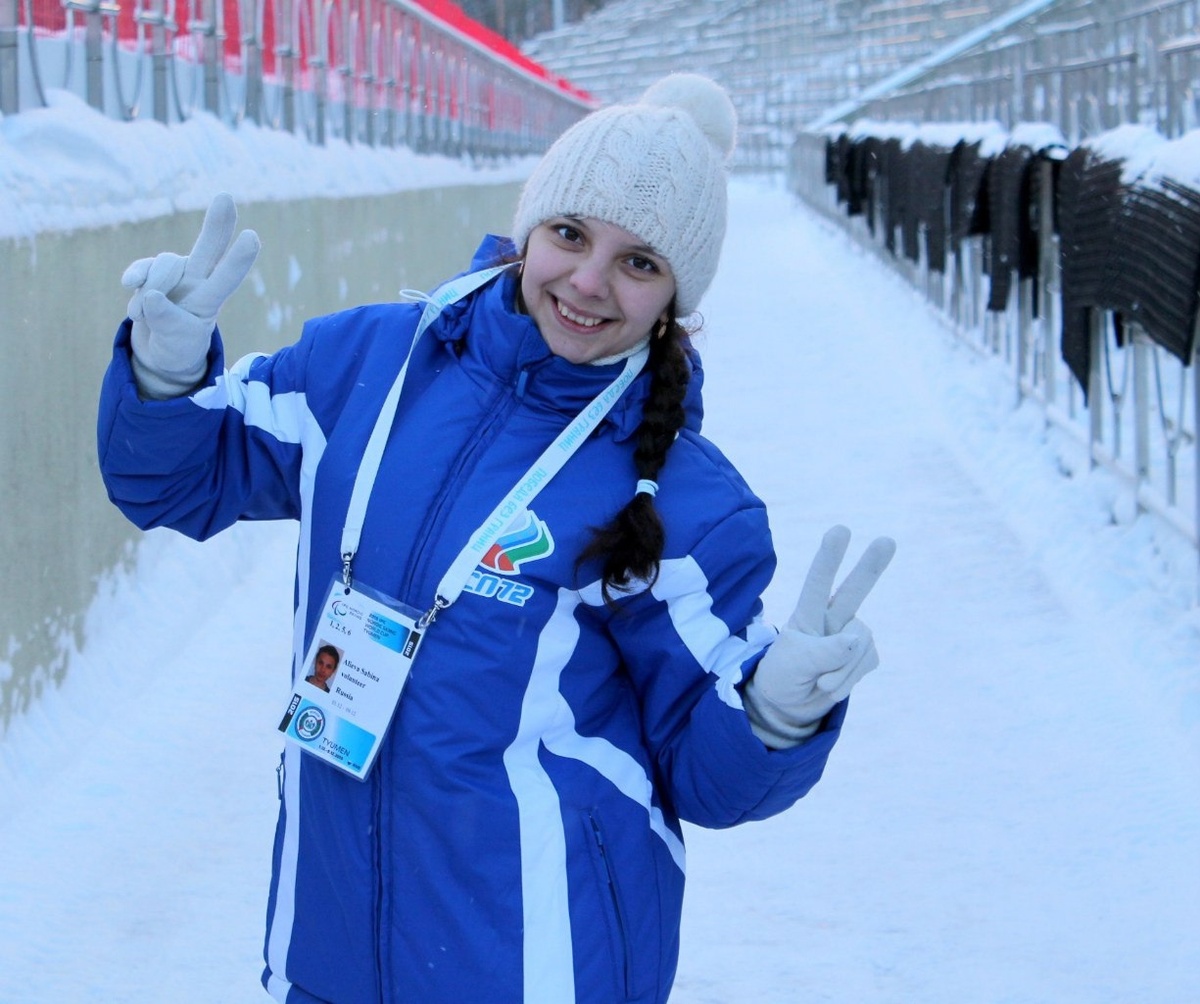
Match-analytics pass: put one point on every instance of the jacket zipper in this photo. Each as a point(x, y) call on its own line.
point(495, 416)
point(497, 411)
point(614, 895)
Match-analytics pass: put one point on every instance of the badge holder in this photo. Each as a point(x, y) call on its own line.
point(369, 642)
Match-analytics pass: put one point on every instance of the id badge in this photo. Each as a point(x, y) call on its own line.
point(353, 672)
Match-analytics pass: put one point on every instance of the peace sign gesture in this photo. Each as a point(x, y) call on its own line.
point(176, 299)
point(823, 651)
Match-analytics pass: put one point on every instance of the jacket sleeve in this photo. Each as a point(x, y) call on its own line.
point(689, 644)
point(230, 450)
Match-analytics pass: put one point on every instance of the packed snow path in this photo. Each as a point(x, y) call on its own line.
point(1012, 815)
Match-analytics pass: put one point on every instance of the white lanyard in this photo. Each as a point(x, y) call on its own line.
point(368, 468)
point(527, 487)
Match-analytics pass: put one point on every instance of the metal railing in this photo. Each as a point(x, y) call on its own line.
point(1084, 66)
point(1133, 406)
point(379, 72)
point(1081, 69)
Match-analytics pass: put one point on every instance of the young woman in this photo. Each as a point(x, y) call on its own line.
point(543, 580)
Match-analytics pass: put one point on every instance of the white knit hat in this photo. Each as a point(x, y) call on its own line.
point(656, 168)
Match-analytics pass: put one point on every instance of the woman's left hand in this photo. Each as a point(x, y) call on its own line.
point(823, 651)
point(176, 299)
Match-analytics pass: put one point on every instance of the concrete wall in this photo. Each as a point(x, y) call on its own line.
point(60, 303)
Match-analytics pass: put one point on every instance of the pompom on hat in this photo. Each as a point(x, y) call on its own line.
point(656, 168)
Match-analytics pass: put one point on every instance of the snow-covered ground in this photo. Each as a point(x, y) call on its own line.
point(1013, 814)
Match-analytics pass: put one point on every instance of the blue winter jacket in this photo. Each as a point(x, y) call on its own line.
point(518, 839)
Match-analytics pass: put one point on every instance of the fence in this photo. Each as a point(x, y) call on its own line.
point(380, 72)
point(1079, 267)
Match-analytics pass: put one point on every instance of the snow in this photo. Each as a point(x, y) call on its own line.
point(63, 167)
point(1012, 814)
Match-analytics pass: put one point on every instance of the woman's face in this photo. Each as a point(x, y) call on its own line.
point(594, 289)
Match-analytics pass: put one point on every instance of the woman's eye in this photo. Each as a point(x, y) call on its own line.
point(567, 232)
point(643, 264)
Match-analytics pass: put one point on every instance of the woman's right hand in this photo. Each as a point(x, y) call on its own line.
point(176, 299)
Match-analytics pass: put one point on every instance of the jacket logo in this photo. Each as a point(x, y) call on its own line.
point(527, 542)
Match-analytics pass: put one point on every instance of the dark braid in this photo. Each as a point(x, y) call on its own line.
point(631, 544)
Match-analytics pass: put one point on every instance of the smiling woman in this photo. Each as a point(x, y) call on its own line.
point(544, 582)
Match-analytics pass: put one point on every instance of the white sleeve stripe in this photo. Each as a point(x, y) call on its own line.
point(283, 416)
point(682, 585)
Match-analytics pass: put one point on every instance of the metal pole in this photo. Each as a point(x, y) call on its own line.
point(1095, 384)
point(320, 66)
point(93, 45)
point(1047, 265)
point(1196, 445)
point(366, 74)
point(252, 68)
point(158, 58)
point(288, 46)
point(1024, 338)
point(9, 97)
point(213, 63)
point(1141, 404)
point(346, 72)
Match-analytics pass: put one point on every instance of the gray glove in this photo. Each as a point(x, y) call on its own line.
point(176, 299)
point(824, 650)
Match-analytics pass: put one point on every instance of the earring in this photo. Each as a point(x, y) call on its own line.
point(519, 297)
point(661, 329)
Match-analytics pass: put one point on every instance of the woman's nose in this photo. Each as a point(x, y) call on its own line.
point(591, 278)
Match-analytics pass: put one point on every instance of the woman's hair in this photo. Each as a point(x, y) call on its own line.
point(330, 650)
point(630, 545)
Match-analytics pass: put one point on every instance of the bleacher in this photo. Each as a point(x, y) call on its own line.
point(783, 61)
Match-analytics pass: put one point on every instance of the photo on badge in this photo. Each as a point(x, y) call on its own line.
point(324, 666)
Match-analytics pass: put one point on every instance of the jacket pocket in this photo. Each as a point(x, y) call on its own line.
point(611, 897)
